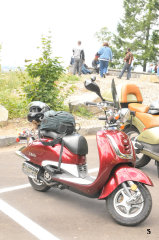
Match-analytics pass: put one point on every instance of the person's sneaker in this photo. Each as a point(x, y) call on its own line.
point(104, 75)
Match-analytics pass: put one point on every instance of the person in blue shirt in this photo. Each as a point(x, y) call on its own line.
point(105, 55)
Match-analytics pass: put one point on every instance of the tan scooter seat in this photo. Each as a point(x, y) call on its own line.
point(138, 107)
point(148, 120)
point(130, 89)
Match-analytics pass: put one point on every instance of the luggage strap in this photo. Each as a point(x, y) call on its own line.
point(53, 143)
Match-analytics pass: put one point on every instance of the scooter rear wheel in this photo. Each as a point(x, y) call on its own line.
point(126, 213)
point(38, 185)
point(141, 159)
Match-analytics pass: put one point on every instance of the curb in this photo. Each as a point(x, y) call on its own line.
point(6, 141)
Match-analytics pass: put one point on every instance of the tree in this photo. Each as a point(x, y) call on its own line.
point(103, 35)
point(44, 74)
point(139, 30)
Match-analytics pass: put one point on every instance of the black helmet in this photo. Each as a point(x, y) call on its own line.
point(154, 108)
point(37, 110)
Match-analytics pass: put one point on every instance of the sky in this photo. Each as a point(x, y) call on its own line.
point(23, 22)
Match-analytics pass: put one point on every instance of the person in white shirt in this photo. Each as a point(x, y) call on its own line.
point(79, 58)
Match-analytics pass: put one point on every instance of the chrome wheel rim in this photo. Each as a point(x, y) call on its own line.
point(126, 209)
point(37, 181)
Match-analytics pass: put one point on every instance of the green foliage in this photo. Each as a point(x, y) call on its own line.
point(103, 35)
point(10, 97)
point(42, 83)
point(83, 112)
point(138, 30)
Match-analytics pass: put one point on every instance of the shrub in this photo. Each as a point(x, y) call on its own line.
point(42, 84)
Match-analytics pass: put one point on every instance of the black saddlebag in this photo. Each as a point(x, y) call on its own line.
point(58, 121)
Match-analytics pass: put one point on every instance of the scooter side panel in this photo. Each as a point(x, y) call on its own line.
point(136, 123)
point(38, 153)
point(150, 136)
point(122, 174)
point(107, 163)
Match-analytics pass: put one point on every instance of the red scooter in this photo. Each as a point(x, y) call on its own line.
point(64, 165)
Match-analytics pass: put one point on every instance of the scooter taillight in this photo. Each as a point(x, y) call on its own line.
point(81, 160)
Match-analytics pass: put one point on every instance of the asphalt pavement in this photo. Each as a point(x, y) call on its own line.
point(60, 214)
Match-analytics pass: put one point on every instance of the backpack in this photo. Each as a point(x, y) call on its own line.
point(58, 121)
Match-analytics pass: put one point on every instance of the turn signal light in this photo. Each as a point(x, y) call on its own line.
point(117, 117)
point(122, 127)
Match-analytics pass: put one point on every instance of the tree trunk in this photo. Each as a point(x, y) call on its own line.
point(146, 46)
point(144, 66)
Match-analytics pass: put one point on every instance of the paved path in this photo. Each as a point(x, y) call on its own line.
point(63, 215)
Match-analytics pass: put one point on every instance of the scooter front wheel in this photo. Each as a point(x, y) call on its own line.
point(127, 211)
point(38, 185)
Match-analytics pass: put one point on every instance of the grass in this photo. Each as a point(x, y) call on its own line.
point(83, 112)
point(69, 78)
point(12, 97)
point(14, 100)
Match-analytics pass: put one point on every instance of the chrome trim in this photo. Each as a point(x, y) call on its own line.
point(85, 181)
point(117, 151)
point(19, 153)
point(70, 168)
point(30, 170)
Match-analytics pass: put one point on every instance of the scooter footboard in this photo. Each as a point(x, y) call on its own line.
point(123, 174)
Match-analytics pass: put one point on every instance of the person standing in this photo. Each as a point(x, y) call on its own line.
point(127, 66)
point(79, 58)
point(105, 55)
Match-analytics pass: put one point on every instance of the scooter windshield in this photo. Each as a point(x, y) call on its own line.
point(115, 96)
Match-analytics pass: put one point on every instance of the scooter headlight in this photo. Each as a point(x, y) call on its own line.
point(124, 114)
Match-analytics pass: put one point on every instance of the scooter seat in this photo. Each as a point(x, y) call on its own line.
point(148, 120)
point(76, 143)
point(138, 107)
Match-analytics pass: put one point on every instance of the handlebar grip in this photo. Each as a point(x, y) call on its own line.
point(102, 118)
point(91, 103)
point(109, 103)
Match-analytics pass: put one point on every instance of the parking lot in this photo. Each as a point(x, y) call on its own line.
point(60, 214)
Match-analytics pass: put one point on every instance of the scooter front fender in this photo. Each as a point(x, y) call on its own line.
point(122, 174)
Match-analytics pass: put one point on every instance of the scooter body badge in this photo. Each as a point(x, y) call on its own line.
point(32, 154)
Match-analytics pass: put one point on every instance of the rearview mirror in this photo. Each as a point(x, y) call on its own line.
point(93, 87)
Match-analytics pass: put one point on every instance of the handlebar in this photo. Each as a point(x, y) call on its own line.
point(153, 108)
point(91, 103)
point(98, 104)
point(102, 118)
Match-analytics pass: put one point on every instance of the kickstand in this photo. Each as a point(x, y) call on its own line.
point(157, 164)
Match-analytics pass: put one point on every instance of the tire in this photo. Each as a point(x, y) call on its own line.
point(38, 185)
point(141, 159)
point(118, 210)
